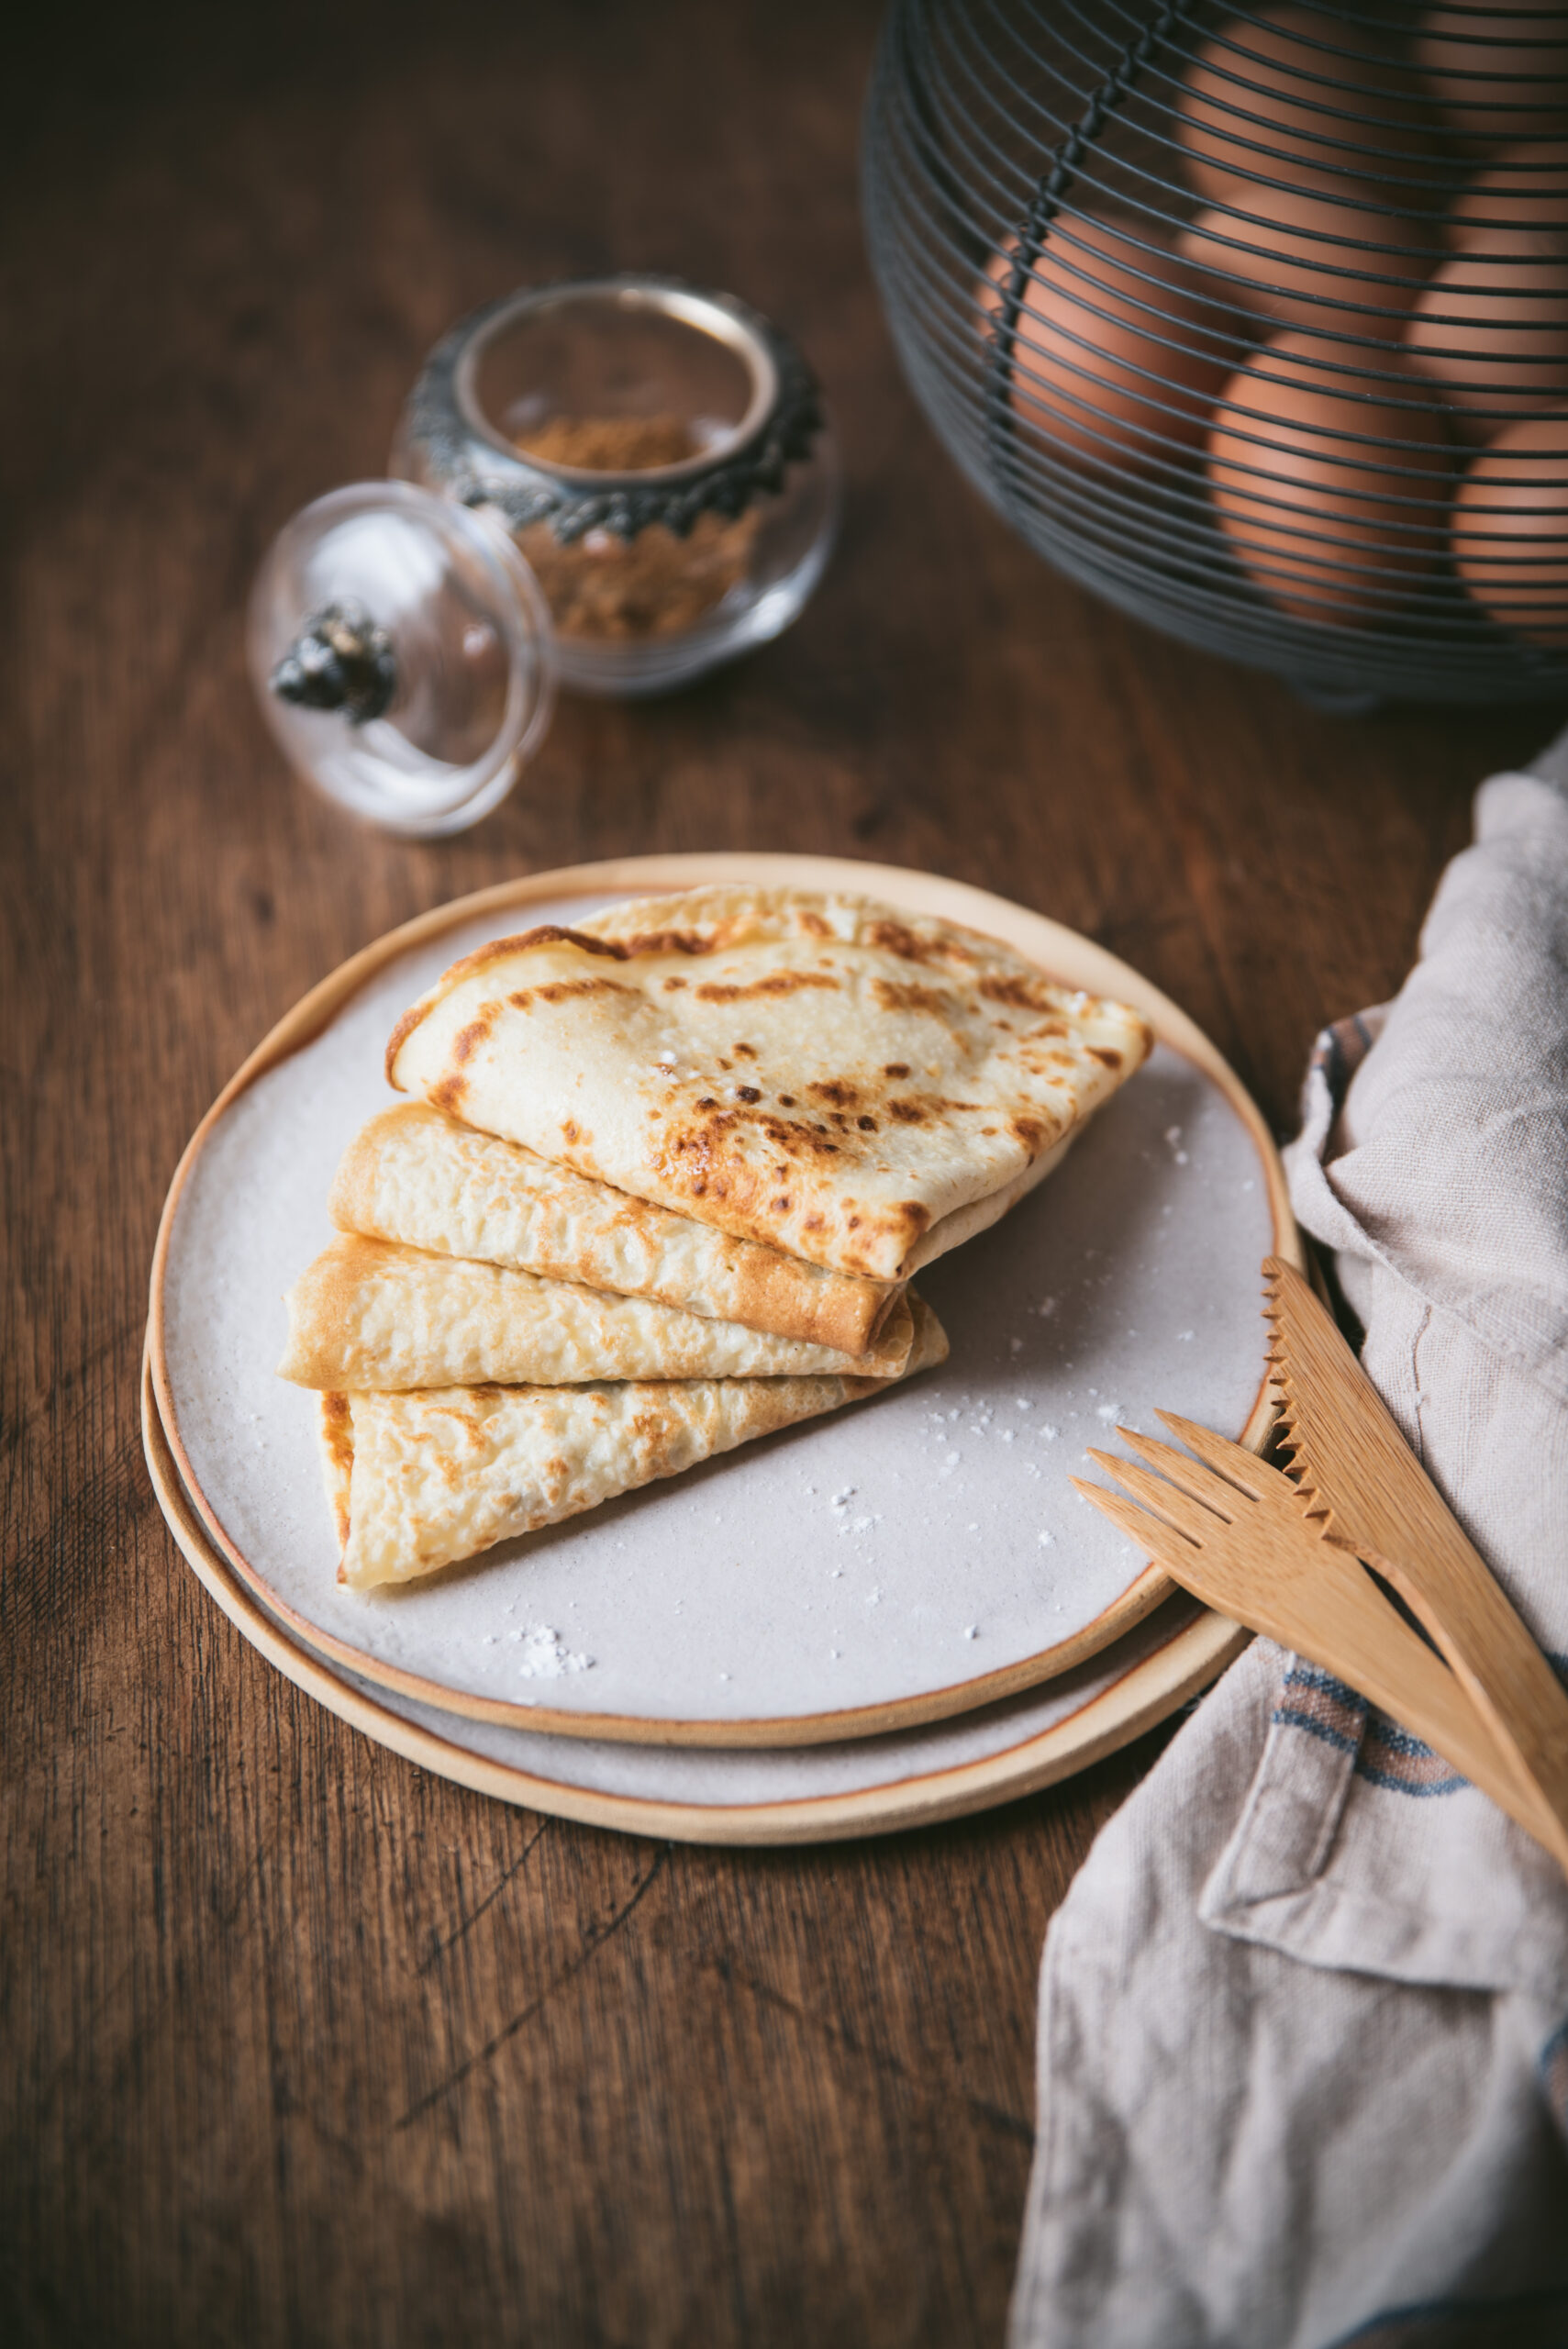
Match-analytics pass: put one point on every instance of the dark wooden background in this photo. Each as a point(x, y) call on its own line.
point(296, 2044)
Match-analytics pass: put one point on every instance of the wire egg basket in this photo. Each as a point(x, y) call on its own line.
point(1253, 322)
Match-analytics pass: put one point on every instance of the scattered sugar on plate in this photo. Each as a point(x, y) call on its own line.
point(545, 1656)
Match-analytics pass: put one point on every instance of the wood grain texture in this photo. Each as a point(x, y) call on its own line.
point(301, 2045)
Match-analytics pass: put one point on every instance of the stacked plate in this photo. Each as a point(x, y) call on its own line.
point(897, 1614)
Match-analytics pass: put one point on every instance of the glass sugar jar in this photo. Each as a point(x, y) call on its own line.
point(659, 457)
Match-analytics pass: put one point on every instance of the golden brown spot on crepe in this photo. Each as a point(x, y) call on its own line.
point(1105, 1055)
point(1050, 1028)
point(898, 940)
point(399, 1036)
point(448, 1095)
point(337, 1435)
point(911, 1217)
point(815, 925)
point(835, 1089)
point(521, 1000)
point(574, 1133)
point(707, 1102)
point(780, 1205)
point(786, 1100)
point(902, 941)
point(744, 1052)
point(795, 1139)
point(747, 1092)
point(906, 1113)
point(549, 933)
point(670, 941)
point(777, 983)
point(467, 1041)
point(1023, 994)
point(559, 990)
point(866, 1125)
point(896, 1068)
point(672, 984)
point(1029, 1131)
point(907, 995)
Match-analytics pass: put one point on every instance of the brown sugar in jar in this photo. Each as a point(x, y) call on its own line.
point(655, 583)
point(657, 456)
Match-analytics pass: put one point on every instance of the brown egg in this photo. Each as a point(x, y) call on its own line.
point(1114, 356)
point(1492, 332)
point(1497, 74)
point(1518, 205)
point(1297, 94)
point(1510, 529)
point(1294, 255)
point(1330, 479)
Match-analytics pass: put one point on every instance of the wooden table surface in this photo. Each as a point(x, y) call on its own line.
point(296, 2043)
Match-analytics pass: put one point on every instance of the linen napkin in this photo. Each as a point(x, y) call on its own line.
point(1303, 2046)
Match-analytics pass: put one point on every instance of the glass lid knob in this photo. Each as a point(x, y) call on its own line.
point(403, 655)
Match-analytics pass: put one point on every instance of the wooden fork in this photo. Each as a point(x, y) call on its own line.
point(1235, 1532)
point(1367, 1489)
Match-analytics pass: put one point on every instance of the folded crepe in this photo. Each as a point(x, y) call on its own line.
point(850, 1084)
point(417, 1175)
point(370, 1314)
point(417, 1481)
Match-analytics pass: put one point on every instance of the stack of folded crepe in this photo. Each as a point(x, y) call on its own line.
point(667, 1183)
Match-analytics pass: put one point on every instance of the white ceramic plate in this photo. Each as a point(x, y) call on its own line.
point(816, 1794)
point(914, 1557)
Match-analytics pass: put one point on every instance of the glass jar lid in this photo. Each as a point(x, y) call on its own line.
point(403, 655)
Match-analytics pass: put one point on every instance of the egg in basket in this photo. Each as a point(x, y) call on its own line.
point(1256, 323)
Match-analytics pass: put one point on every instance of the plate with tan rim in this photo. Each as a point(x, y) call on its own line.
point(917, 1556)
point(819, 1793)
